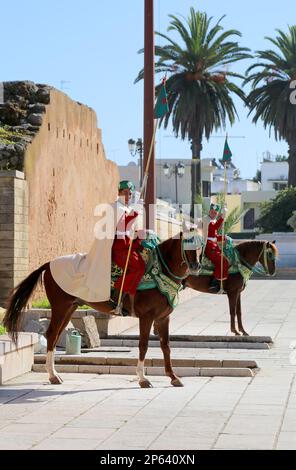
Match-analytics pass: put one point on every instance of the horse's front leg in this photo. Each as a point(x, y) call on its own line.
point(145, 327)
point(163, 331)
point(232, 299)
point(239, 316)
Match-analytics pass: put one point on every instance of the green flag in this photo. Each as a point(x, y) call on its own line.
point(226, 153)
point(161, 107)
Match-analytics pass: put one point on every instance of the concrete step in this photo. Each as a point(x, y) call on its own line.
point(187, 344)
point(202, 338)
point(195, 341)
point(151, 371)
point(100, 359)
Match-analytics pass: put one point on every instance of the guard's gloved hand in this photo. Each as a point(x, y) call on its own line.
point(224, 212)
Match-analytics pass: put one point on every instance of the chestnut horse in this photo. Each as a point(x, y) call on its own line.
point(178, 261)
point(249, 253)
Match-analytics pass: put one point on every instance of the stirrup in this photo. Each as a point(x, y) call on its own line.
point(118, 310)
point(221, 291)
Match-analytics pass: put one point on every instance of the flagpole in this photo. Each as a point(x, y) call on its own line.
point(142, 192)
point(221, 291)
point(161, 108)
point(223, 232)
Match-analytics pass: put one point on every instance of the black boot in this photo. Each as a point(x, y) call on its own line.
point(114, 302)
point(214, 286)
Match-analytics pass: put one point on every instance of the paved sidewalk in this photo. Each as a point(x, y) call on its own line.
point(110, 412)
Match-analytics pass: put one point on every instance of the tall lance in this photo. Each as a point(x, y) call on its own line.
point(226, 159)
point(161, 108)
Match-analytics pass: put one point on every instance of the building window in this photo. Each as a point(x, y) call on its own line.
point(279, 186)
point(249, 219)
point(206, 188)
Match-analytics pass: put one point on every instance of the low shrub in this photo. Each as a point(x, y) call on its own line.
point(44, 303)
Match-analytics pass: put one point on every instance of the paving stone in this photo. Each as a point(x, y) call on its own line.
point(242, 424)
point(69, 432)
point(226, 372)
point(67, 444)
point(245, 442)
point(286, 441)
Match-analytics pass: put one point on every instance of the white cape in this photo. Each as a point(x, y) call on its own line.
point(88, 275)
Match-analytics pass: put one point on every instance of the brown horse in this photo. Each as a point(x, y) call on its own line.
point(250, 253)
point(178, 259)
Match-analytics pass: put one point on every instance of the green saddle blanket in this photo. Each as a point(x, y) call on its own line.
point(235, 265)
point(153, 277)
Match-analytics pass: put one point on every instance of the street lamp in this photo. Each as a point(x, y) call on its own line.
point(134, 149)
point(178, 170)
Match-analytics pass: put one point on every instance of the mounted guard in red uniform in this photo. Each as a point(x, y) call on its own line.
point(211, 226)
point(122, 240)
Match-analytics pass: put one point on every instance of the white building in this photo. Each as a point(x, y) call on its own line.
point(274, 174)
point(173, 179)
point(234, 183)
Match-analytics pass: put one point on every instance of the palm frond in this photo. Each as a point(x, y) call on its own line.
point(233, 218)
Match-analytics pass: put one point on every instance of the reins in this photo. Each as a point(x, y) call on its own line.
point(257, 269)
point(179, 278)
point(184, 258)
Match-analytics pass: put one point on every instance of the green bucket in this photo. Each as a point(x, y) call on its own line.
point(73, 343)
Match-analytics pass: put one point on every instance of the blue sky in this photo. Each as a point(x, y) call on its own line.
point(93, 44)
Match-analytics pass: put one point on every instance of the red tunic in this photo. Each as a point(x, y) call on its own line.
point(136, 265)
point(213, 251)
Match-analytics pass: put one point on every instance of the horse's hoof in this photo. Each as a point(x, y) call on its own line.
point(56, 380)
point(177, 383)
point(145, 384)
point(244, 333)
point(235, 332)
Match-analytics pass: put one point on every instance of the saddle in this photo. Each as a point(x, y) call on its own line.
point(153, 278)
point(235, 265)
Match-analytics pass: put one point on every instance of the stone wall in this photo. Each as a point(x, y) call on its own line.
point(56, 143)
point(68, 175)
point(13, 231)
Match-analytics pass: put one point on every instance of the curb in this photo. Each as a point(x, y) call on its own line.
point(130, 370)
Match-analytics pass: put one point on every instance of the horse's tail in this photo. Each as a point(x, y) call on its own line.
point(18, 300)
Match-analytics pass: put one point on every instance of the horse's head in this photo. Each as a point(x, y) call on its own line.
point(191, 249)
point(268, 257)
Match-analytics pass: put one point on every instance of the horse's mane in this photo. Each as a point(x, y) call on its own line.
point(168, 241)
point(249, 244)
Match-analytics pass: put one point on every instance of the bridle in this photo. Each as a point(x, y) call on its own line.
point(192, 243)
point(268, 255)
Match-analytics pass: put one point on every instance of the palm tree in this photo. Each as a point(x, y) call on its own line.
point(199, 94)
point(271, 96)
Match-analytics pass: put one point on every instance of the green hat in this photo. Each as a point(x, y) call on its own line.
point(125, 184)
point(215, 207)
